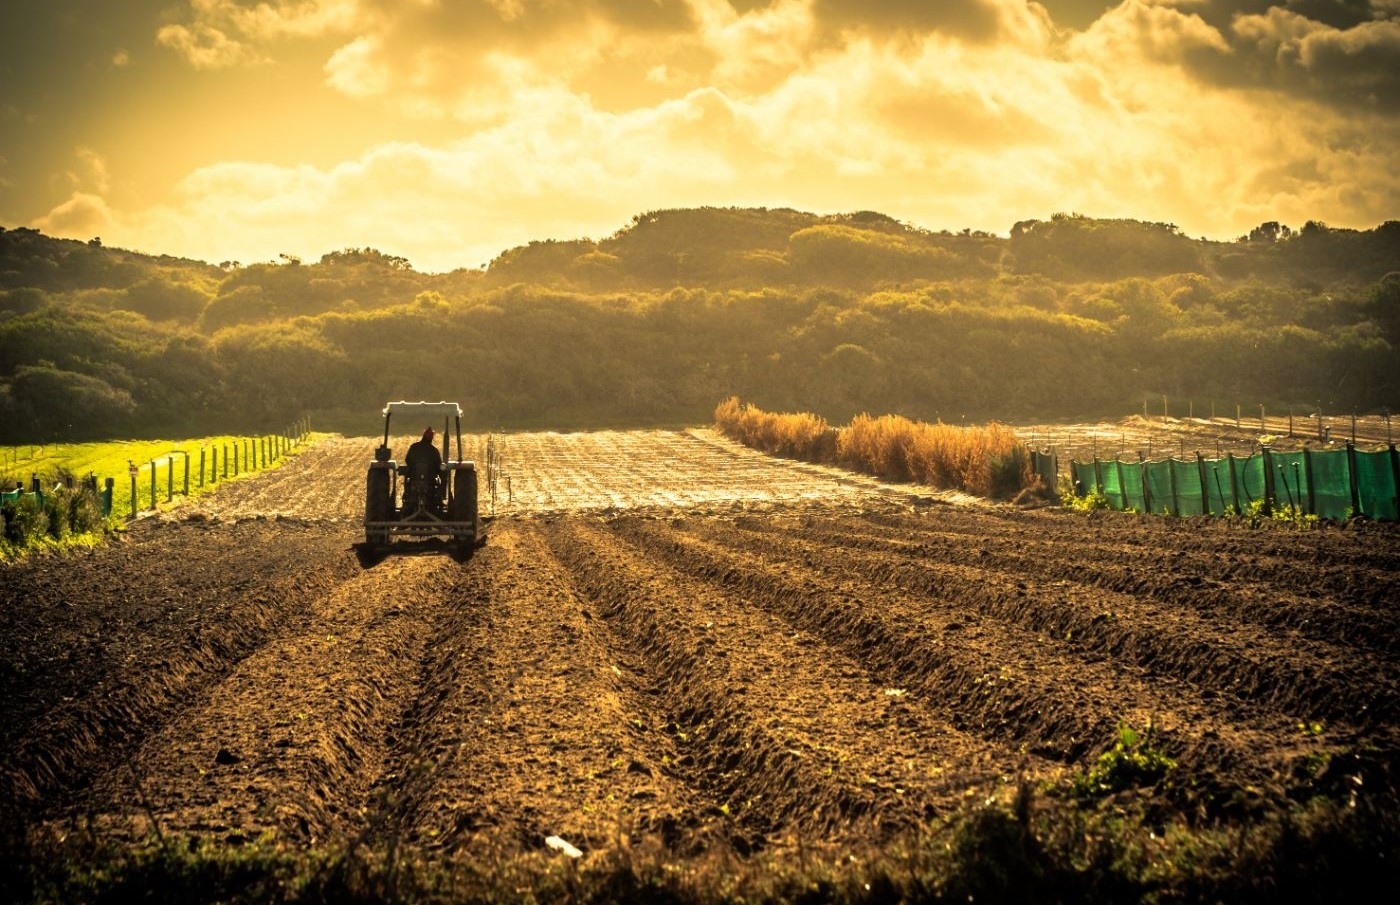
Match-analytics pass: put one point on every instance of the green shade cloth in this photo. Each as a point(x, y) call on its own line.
point(1319, 482)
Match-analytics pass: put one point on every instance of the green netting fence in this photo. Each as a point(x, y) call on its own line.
point(1333, 483)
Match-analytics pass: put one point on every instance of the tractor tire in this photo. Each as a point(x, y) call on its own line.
point(464, 506)
point(378, 506)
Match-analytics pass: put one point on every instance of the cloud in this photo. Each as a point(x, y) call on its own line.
point(1358, 64)
point(80, 217)
point(570, 118)
point(206, 47)
point(218, 34)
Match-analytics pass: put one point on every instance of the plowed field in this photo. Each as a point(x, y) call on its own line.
point(670, 637)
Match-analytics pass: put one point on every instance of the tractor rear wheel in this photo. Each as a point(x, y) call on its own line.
point(378, 506)
point(464, 506)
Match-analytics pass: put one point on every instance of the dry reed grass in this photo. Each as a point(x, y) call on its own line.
point(986, 460)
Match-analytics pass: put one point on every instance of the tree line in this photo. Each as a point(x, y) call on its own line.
point(1067, 317)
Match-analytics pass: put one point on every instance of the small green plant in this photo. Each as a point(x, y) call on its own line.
point(1294, 515)
point(1134, 760)
point(1087, 503)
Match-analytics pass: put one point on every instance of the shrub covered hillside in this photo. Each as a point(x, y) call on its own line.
point(834, 315)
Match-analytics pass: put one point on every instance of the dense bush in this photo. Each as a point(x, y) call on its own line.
point(57, 514)
point(26, 519)
point(832, 315)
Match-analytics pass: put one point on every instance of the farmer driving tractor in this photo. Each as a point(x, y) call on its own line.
point(424, 464)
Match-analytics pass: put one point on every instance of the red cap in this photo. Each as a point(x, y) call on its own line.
point(428, 434)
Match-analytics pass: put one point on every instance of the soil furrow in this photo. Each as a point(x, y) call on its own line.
point(818, 739)
point(291, 740)
point(1212, 583)
point(161, 672)
point(538, 732)
point(1005, 683)
point(1316, 680)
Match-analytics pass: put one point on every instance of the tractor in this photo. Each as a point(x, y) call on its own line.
point(423, 501)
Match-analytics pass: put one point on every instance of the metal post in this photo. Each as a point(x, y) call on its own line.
point(1234, 485)
point(1270, 498)
point(1307, 476)
point(1262, 428)
point(1146, 487)
point(1353, 484)
point(1290, 421)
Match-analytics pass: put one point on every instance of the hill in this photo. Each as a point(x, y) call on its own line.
point(834, 314)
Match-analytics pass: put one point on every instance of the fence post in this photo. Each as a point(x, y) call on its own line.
point(1098, 476)
point(1205, 488)
point(134, 469)
point(153, 483)
point(1394, 469)
point(170, 478)
point(1234, 485)
point(1146, 487)
point(1122, 484)
point(1263, 428)
point(1269, 499)
point(201, 466)
point(225, 457)
point(187, 474)
point(1171, 482)
point(109, 485)
point(1308, 476)
point(1353, 485)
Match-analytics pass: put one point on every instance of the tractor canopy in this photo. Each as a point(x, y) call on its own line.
point(449, 412)
point(436, 409)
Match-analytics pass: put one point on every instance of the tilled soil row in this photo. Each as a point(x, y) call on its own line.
point(1013, 686)
point(800, 742)
point(291, 741)
point(1313, 680)
point(533, 724)
point(171, 611)
point(1240, 581)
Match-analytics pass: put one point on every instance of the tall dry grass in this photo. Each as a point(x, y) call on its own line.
point(986, 460)
point(794, 436)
